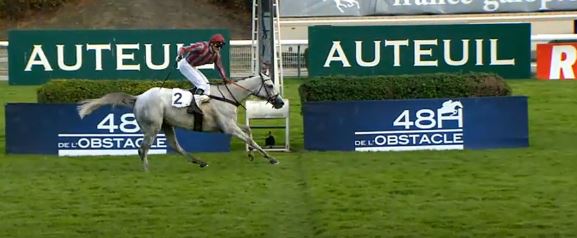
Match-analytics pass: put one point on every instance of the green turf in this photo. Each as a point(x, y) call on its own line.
point(527, 192)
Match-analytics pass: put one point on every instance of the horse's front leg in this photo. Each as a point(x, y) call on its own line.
point(238, 132)
point(246, 130)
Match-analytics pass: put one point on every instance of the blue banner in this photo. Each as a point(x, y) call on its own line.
point(57, 129)
point(419, 124)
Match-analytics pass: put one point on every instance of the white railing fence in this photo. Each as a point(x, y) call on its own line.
point(3, 60)
point(293, 58)
point(293, 55)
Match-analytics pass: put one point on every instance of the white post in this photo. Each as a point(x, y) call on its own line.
point(267, 58)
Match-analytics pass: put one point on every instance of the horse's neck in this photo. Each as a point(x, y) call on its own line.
point(231, 92)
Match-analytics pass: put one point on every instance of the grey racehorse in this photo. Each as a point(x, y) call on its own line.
point(154, 112)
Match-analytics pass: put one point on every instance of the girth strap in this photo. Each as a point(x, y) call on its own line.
point(198, 119)
point(225, 100)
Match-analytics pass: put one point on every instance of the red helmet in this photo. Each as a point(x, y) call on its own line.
point(217, 39)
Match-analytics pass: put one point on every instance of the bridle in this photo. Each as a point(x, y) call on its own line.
point(270, 98)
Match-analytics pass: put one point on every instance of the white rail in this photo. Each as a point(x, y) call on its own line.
point(3, 61)
point(550, 37)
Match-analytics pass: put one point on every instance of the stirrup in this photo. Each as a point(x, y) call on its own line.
point(198, 91)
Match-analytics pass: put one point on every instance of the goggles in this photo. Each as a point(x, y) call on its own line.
point(219, 44)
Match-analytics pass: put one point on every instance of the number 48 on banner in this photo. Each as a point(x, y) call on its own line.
point(430, 119)
point(127, 123)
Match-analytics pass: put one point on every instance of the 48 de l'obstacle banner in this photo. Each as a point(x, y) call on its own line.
point(504, 49)
point(36, 56)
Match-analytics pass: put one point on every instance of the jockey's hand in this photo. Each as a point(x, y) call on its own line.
point(178, 57)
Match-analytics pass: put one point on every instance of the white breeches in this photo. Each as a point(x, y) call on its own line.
point(194, 76)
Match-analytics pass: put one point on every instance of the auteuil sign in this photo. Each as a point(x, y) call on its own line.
point(37, 56)
point(387, 50)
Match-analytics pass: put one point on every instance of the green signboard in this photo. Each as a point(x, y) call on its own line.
point(37, 56)
point(504, 49)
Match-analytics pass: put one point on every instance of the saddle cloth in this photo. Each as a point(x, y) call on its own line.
point(181, 98)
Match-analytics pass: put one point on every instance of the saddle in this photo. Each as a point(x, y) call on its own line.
point(195, 110)
point(185, 98)
point(193, 107)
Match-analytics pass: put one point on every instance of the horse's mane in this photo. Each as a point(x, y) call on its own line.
point(220, 82)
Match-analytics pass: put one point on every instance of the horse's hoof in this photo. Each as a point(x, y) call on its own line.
point(251, 158)
point(274, 162)
point(203, 165)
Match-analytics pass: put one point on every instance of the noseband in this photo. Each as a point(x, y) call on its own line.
point(270, 98)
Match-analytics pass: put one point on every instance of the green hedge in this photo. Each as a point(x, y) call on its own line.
point(343, 88)
point(75, 90)
point(339, 88)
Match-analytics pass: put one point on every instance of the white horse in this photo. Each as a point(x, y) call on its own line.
point(154, 112)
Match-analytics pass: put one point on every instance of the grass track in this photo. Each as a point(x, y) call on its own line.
point(528, 192)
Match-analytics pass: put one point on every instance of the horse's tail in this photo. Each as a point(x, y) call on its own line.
point(88, 106)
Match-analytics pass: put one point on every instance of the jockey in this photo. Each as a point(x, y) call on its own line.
point(197, 54)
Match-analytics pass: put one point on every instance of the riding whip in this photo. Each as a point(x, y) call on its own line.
point(172, 67)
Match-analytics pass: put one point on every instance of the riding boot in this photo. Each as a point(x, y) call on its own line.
point(194, 107)
point(202, 95)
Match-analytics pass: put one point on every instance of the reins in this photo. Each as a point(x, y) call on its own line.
point(235, 101)
point(224, 99)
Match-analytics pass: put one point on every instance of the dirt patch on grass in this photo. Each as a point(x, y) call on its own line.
point(142, 14)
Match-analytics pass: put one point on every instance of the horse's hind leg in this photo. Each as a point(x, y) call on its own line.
point(173, 142)
point(150, 130)
point(145, 147)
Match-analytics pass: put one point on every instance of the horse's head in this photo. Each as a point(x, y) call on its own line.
point(265, 89)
